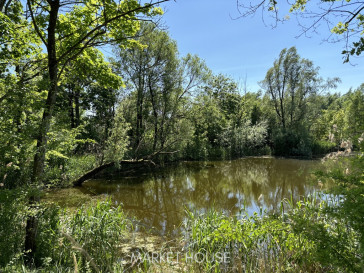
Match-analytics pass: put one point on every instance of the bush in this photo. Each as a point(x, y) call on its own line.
point(12, 218)
point(347, 177)
point(99, 229)
point(71, 168)
point(322, 147)
point(304, 239)
point(291, 142)
point(246, 140)
point(88, 240)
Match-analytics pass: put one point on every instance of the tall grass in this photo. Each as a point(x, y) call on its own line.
point(87, 240)
point(304, 239)
point(12, 217)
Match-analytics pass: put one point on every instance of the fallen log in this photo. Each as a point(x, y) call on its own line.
point(93, 172)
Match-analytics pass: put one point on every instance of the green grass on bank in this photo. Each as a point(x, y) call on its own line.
point(306, 238)
point(314, 235)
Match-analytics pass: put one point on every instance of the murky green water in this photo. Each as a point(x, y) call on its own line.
point(159, 199)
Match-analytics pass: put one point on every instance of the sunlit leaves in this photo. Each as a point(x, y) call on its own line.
point(118, 141)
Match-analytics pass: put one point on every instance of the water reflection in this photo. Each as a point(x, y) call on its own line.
point(159, 198)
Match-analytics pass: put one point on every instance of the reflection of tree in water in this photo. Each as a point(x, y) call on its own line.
point(159, 198)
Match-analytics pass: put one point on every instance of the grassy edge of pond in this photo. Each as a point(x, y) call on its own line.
point(159, 197)
point(309, 236)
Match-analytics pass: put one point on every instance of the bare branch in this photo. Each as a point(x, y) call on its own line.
point(35, 23)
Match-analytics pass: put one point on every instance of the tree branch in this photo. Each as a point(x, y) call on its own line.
point(35, 24)
point(104, 24)
point(98, 169)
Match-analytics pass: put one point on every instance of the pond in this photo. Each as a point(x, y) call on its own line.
point(158, 199)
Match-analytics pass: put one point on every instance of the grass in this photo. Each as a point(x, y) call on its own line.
point(304, 239)
point(99, 237)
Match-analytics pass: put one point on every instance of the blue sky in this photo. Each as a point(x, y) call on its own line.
point(246, 47)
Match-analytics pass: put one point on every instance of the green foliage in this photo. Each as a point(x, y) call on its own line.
point(336, 242)
point(226, 124)
point(197, 147)
point(20, 102)
point(247, 139)
point(117, 143)
point(48, 238)
point(293, 88)
point(347, 177)
point(158, 85)
point(322, 147)
point(99, 229)
point(208, 119)
point(12, 217)
point(354, 114)
point(306, 238)
point(292, 143)
point(87, 240)
point(63, 164)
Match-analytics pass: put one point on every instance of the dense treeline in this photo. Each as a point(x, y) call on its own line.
point(148, 102)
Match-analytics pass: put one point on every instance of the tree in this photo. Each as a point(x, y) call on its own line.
point(225, 91)
point(86, 84)
point(355, 114)
point(118, 141)
point(344, 18)
point(66, 29)
point(289, 83)
point(20, 93)
point(158, 84)
point(88, 96)
point(292, 85)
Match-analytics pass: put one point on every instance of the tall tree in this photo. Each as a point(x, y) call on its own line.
point(355, 114)
point(289, 84)
point(66, 29)
point(158, 82)
point(20, 92)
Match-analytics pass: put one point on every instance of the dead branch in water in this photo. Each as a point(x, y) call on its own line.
point(98, 169)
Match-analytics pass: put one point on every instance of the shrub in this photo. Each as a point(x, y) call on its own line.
point(87, 240)
point(291, 142)
point(99, 229)
point(304, 239)
point(12, 217)
point(322, 147)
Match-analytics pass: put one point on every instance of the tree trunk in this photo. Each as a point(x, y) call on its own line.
point(139, 120)
point(155, 114)
point(98, 169)
point(77, 107)
point(19, 111)
point(31, 234)
point(71, 109)
point(39, 158)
